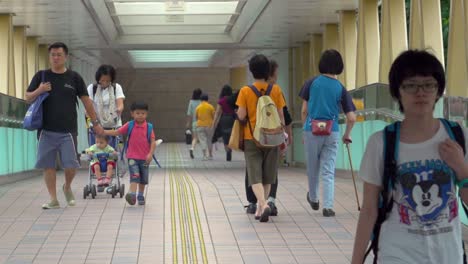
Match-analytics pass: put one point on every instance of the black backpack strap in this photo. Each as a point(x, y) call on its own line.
point(255, 90)
point(94, 89)
point(391, 135)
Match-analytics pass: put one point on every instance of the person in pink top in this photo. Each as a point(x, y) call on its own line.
point(139, 152)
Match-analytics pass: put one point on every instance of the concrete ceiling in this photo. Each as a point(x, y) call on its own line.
point(106, 30)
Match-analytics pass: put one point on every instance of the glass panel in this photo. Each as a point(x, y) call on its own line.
point(164, 20)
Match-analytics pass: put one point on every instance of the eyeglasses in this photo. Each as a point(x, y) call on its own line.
point(413, 88)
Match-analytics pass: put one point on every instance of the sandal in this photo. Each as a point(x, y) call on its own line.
point(265, 215)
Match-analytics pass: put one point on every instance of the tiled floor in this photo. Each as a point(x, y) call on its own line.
point(194, 214)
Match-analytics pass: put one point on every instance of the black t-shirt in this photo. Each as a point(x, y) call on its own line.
point(59, 109)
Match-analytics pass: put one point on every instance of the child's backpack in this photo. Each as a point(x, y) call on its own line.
point(391, 141)
point(268, 130)
point(131, 124)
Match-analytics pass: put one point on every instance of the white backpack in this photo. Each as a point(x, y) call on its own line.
point(268, 130)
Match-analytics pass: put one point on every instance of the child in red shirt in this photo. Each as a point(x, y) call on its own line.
point(139, 151)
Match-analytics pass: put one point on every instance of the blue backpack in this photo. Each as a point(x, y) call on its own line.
point(391, 146)
point(33, 117)
point(131, 124)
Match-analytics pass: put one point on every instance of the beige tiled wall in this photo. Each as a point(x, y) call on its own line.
point(167, 92)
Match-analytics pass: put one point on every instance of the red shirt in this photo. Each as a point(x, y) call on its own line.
point(138, 145)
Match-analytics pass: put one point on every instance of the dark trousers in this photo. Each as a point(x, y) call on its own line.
point(250, 194)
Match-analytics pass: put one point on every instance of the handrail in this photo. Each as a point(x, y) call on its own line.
point(383, 114)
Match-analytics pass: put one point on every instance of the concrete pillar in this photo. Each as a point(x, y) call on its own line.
point(33, 59)
point(368, 49)
point(296, 106)
point(316, 46)
point(457, 55)
point(7, 70)
point(305, 61)
point(238, 77)
point(21, 62)
point(426, 27)
point(43, 57)
point(393, 38)
point(348, 45)
point(291, 79)
point(330, 37)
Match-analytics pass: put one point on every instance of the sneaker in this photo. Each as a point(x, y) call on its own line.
point(228, 156)
point(141, 200)
point(51, 205)
point(274, 209)
point(328, 212)
point(69, 196)
point(314, 205)
point(191, 154)
point(251, 208)
point(130, 198)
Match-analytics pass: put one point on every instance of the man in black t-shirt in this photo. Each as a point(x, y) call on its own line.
point(59, 129)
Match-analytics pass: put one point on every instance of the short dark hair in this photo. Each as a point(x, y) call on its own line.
point(412, 63)
point(225, 91)
point(331, 62)
point(273, 67)
point(259, 66)
point(58, 45)
point(106, 138)
point(139, 106)
point(105, 70)
point(196, 94)
point(204, 97)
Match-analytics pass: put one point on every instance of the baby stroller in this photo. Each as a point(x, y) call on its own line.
point(114, 187)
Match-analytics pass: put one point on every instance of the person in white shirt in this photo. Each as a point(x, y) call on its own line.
point(108, 97)
point(423, 225)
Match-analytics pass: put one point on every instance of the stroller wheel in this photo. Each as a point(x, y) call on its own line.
point(122, 190)
point(113, 191)
point(85, 192)
point(93, 191)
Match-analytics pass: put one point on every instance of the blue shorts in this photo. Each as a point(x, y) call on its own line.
point(138, 171)
point(50, 143)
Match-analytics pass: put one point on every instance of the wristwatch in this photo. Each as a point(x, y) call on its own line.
point(95, 122)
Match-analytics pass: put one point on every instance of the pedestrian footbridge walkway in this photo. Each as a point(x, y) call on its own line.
point(194, 214)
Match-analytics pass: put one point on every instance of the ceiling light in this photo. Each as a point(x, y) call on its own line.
point(148, 56)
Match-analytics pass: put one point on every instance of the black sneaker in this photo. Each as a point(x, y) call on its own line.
point(314, 205)
point(191, 154)
point(328, 212)
point(274, 209)
point(251, 208)
point(229, 155)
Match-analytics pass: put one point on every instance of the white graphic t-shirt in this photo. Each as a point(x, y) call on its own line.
point(424, 224)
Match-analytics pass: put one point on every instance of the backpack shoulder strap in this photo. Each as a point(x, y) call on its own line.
point(391, 135)
point(269, 89)
point(94, 89)
point(148, 133)
point(131, 124)
point(455, 132)
point(255, 90)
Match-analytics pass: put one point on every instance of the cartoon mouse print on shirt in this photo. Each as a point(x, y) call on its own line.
point(427, 191)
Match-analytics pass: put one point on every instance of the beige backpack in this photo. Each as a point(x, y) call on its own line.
point(268, 130)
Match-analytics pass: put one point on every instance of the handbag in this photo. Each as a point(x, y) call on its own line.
point(33, 117)
point(321, 127)
point(236, 141)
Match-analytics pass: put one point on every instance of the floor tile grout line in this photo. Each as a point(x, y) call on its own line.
point(74, 229)
point(22, 212)
point(194, 205)
point(55, 224)
point(274, 223)
point(319, 225)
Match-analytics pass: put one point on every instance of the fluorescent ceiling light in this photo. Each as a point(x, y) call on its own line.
point(149, 56)
point(137, 20)
point(161, 8)
point(178, 29)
